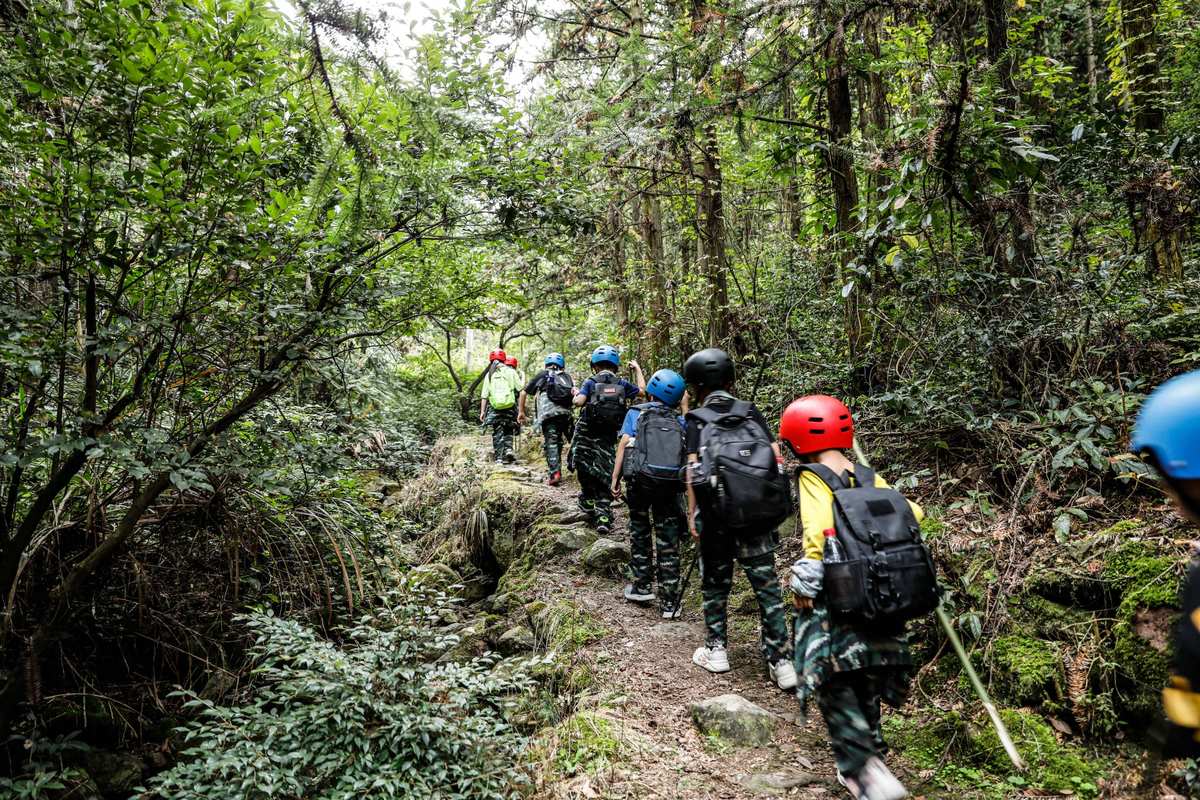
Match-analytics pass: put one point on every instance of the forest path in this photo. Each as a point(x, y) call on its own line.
point(643, 670)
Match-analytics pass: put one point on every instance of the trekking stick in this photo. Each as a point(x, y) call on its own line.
point(683, 586)
point(1001, 729)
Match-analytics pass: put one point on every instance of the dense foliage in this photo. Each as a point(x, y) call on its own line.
point(366, 717)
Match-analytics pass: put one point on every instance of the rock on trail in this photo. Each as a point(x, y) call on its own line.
point(734, 719)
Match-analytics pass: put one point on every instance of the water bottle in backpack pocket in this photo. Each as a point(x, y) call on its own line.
point(751, 493)
point(886, 574)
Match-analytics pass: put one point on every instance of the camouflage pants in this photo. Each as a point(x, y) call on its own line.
point(595, 497)
point(554, 433)
point(717, 579)
point(661, 539)
point(504, 427)
point(849, 701)
point(594, 459)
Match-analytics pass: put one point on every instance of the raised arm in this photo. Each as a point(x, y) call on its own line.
point(639, 376)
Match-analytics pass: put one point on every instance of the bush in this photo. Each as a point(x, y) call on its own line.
point(373, 715)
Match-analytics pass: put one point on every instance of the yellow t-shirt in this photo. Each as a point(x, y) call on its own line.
point(816, 511)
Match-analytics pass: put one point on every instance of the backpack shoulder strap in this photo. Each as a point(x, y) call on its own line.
point(828, 476)
point(864, 476)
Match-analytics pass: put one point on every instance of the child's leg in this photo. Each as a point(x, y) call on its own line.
point(641, 544)
point(552, 442)
point(850, 733)
point(868, 692)
point(760, 571)
point(497, 436)
point(668, 523)
point(716, 581)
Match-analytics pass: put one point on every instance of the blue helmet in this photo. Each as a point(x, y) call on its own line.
point(666, 385)
point(556, 360)
point(1168, 427)
point(606, 353)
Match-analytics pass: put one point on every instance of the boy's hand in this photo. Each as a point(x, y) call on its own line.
point(521, 418)
point(481, 416)
point(634, 365)
point(616, 490)
point(802, 603)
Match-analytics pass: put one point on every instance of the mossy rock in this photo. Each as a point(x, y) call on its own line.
point(1052, 764)
point(946, 744)
point(1049, 620)
point(1029, 670)
point(1141, 643)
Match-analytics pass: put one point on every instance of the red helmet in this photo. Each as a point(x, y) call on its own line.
point(496, 355)
point(511, 361)
point(815, 423)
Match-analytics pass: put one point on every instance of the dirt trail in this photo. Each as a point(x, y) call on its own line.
point(643, 667)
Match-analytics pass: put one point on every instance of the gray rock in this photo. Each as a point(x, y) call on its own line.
point(438, 577)
point(734, 719)
point(573, 539)
point(472, 642)
point(606, 556)
point(115, 773)
point(499, 603)
point(573, 516)
point(776, 782)
point(515, 640)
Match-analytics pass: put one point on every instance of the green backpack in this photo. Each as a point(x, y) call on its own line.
point(502, 388)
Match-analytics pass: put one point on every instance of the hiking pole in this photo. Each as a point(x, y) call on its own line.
point(1001, 729)
point(683, 586)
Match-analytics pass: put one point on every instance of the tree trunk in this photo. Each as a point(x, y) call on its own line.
point(712, 236)
point(650, 224)
point(1141, 60)
point(1092, 77)
point(844, 184)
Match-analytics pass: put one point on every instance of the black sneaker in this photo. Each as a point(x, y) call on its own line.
point(602, 525)
point(669, 611)
point(638, 594)
point(584, 506)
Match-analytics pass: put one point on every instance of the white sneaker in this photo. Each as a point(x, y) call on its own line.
point(784, 674)
point(876, 782)
point(713, 659)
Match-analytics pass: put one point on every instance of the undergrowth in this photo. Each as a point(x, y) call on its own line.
point(369, 714)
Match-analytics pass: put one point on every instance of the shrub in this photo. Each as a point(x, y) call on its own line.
point(373, 715)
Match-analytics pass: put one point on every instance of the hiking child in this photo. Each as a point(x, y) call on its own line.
point(650, 456)
point(498, 405)
point(593, 448)
point(849, 667)
point(554, 392)
point(1167, 435)
point(512, 362)
point(737, 495)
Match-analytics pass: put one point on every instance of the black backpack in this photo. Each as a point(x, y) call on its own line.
point(558, 387)
point(750, 492)
point(606, 403)
point(887, 575)
point(658, 452)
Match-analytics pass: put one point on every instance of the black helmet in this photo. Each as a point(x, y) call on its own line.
point(709, 369)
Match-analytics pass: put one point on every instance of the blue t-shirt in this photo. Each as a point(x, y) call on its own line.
point(631, 389)
point(631, 417)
